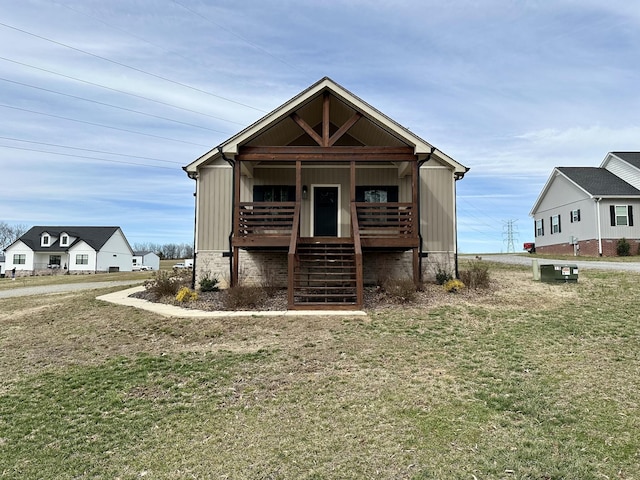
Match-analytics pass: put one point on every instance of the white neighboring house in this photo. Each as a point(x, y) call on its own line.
point(146, 259)
point(2, 269)
point(586, 210)
point(53, 249)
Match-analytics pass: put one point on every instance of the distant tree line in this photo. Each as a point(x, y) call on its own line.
point(10, 233)
point(167, 251)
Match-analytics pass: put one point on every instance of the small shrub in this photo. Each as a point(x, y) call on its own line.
point(167, 283)
point(453, 286)
point(476, 275)
point(208, 284)
point(623, 248)
point(185, 294)
point(244, 298)
point(399, 290)
point(442, 275)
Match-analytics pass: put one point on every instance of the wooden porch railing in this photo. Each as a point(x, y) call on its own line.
point(293, 245)
point(355, 232)
point(385, 220)
point(266, 218)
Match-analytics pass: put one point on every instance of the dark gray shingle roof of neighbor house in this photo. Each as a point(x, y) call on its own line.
point(599, 181)
point(632, 158)
point(95, 237)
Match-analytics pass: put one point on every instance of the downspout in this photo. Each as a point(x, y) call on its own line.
point(195, 231)
point(232, 163)
point(418, 213)
point(597, 204)
point(457, 176)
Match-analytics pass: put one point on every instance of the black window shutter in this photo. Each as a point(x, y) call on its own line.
point(550, 225)
point(559, 226)
point(630, 216)
point(612, 211)
point(578, 214)
point(571, 216)
point(535, 228)
point(542, 225)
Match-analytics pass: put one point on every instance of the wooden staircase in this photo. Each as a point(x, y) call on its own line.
point(325, 274)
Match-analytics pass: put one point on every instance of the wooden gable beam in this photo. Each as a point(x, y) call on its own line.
point(307, 128)
point(344, 128)
point(326, 118)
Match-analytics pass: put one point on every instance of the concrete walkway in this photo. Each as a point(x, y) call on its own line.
point(122, 298)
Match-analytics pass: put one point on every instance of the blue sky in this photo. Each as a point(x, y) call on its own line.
point(102, 103)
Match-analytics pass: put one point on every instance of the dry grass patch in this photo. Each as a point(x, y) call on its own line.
point(525, 380)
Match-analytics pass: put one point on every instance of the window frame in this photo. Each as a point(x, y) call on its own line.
point(64, 240)
point(555, 224)
point(575, 215)
point(80, 257)
point(19, 258)
point(619, 216)
point(540, 227)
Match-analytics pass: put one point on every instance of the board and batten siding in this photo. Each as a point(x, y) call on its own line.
point(215, 198)
point(437, 209)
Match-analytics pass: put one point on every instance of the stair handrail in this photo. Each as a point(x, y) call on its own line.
point(293, 245)
point(357, 245)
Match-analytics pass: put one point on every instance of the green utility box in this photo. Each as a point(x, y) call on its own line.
point(551, 273)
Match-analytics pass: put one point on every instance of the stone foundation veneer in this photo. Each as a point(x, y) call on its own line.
point(271, 268)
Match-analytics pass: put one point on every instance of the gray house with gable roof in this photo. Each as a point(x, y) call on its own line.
point(54, 249)
point(586, 210)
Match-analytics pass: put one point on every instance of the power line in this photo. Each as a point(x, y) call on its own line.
point(111, 105)
point(90, 158)
point(89, 150)
point(510, 230)
point(103, 126)
point(135, 69)
point(52, 72)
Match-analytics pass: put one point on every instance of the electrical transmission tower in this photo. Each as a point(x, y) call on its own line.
point(509, 233)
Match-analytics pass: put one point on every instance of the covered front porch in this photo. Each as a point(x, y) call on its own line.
point(326, 213)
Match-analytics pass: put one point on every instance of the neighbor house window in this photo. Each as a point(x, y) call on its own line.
point(621, 215)
point(555, 224)
point(539, 228)
point(82, 259)
point(19, 259)
point(54, 261)
point(64, 240)
point(575, 215)
point(45, 240)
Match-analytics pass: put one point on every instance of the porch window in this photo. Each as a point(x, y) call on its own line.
point(82, 259)
point(377, 193)
point(19, 259)
point(274, 193)
point(54, 261)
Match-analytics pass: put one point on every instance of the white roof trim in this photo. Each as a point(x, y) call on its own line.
point(230, 147)
point(555, 173)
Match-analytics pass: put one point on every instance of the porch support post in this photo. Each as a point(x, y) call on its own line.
point(415, 223)
point(293, 247)
point(236, 222)
point(355, 232)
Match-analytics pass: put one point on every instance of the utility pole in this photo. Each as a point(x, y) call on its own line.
point(509, 232)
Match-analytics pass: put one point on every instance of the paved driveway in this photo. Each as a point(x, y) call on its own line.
point(582, 264)
point(62, 288)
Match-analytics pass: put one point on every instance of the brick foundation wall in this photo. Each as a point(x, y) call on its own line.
point(271, 268)
point(589, 248)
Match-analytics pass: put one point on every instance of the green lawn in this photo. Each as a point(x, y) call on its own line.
point(526, 381)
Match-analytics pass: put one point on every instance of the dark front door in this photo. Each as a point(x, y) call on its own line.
point(325, 211)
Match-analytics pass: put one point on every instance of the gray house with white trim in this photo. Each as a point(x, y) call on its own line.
point(587, 210)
